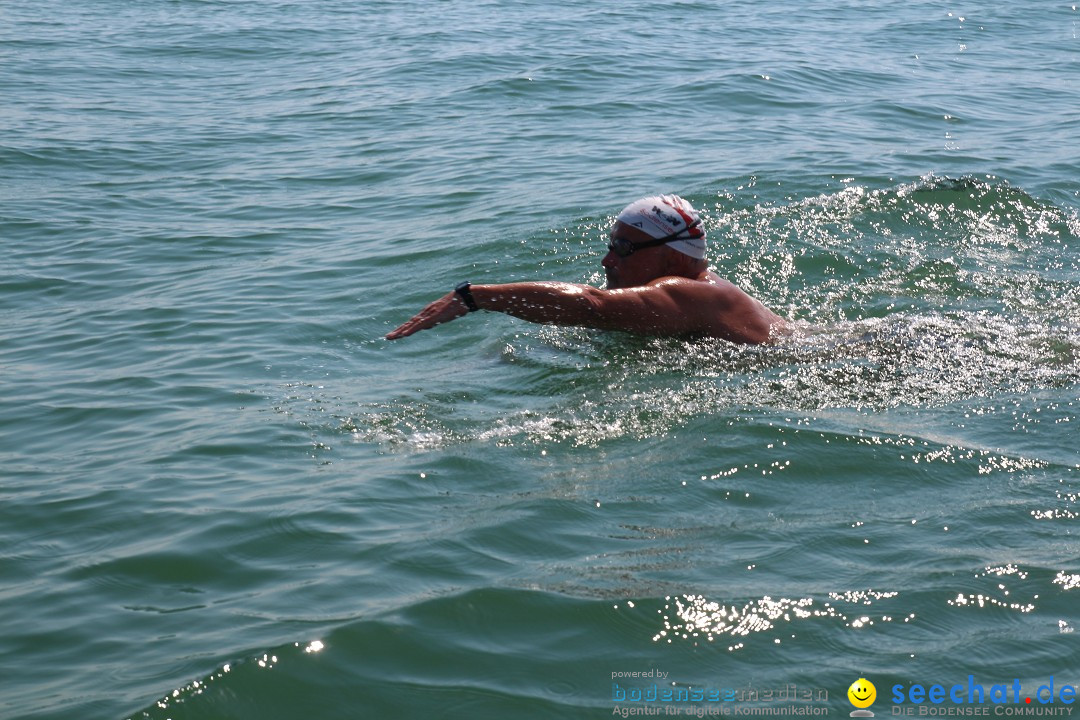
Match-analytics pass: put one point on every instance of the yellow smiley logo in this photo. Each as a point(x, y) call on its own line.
point(862, 693)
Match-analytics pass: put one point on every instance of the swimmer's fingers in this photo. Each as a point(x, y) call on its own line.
point(445, 309)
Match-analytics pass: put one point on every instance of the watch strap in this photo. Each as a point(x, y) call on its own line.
point(464, 291)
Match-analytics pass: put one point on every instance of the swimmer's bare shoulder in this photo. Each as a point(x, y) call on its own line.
point(719, 308)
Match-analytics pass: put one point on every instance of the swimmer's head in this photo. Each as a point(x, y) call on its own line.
point(665, 215)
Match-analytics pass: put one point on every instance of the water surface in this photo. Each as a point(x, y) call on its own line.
point(225, 495)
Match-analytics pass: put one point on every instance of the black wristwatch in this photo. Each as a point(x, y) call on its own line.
point(464, 291)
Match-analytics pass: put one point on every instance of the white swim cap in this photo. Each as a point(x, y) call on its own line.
point(663, 215)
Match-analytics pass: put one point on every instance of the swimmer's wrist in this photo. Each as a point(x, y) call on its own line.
point(464, 293)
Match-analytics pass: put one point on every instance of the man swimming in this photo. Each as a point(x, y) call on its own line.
point(658, 283)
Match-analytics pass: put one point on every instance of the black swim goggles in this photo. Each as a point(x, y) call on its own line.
point(623, 247)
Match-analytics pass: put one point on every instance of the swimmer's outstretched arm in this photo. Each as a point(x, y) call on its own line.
point(640, 309)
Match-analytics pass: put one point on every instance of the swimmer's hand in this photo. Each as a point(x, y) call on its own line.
point(448, 307)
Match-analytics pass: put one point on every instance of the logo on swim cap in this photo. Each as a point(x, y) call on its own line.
point(673, 220)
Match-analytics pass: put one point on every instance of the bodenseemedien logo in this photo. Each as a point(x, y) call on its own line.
point(862, 694)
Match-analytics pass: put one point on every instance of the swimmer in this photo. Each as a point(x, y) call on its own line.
point(658, 283)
